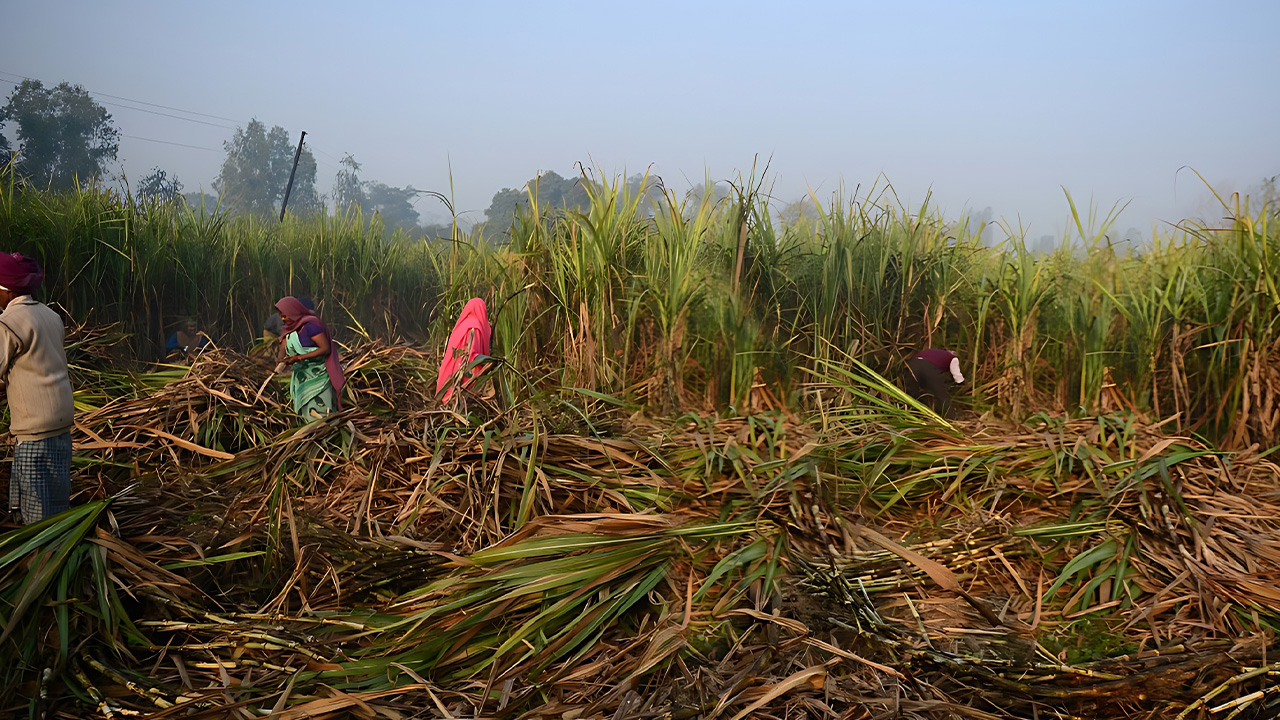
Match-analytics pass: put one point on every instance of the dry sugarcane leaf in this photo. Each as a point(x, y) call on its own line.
point(810, 678)
point(185, 444)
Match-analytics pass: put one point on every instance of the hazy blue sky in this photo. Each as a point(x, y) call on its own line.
point(989, 103)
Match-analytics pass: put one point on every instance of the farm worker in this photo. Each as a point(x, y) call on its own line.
point(309, 349)
point(469, 339)
point(33, 376)
point(929, 369)
point(272, 329)
point(186, 343)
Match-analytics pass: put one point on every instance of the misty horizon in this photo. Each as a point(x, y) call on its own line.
point(1000, 107)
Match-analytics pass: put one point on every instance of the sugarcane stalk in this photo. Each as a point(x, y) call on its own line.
point(96, 695)
point(1204, 700)
point(244, 662)
point(152, 694)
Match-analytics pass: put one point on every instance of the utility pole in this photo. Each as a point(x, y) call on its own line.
point(289, 188)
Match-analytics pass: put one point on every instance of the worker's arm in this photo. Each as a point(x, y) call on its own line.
point(281, 342)
point(9, 349)
point(955, 371)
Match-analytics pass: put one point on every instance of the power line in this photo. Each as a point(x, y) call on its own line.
point(152, 112)
point(139, 102)
point(319, 161)
point(161, 114)
point(157, 112)
point(139, 137)
point(326, 154)
point(168, 142)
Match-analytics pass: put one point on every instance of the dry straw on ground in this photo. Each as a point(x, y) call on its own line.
point(552, 560)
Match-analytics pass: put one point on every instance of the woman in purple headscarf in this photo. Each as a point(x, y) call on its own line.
point(308, 347)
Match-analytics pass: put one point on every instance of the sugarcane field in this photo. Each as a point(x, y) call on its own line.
point(656, 457)
point(818, 360)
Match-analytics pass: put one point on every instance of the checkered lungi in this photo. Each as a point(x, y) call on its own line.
point(40, 484)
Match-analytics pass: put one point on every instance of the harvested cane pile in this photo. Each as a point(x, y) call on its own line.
point(400, 559)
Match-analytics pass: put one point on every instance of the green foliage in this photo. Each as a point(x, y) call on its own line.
point(1088, 640)
point(675, 283)
point(51, 574)
point(1099, 574)
point(531, 602)
point(64, 136)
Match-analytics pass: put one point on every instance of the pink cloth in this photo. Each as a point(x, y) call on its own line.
point(469, 339)
point(299, 316)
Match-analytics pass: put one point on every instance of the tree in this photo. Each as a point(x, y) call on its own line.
point(503, 206)
point(699, 193)
point(650, 191)
point(201, 203)
point(348, 188)
point(394, 204)
point(553, 191)
point(63, 134)
point(802, 210)
point(160, 186)
point(255, 173)
point(6, 155)
point(437, 231)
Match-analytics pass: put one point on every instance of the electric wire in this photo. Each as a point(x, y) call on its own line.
point(170, 142)
point(139, 102)
point(329, 165)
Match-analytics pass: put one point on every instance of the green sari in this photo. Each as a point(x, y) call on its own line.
point(310, 387)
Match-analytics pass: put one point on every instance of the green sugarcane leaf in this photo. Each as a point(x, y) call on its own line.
point(214, 560)
point(1095, 555)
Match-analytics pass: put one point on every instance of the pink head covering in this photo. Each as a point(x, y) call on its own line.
point(299, 316)
point(469, 339)
point(19, 274)
point(297, 313)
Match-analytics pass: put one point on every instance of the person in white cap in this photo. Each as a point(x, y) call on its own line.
point(929, 369)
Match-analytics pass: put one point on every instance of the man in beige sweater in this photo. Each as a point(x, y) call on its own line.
point(33, 376)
